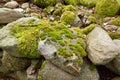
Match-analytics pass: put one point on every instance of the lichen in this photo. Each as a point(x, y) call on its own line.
point(114, 35)
point(88, 3)
point(68, 17)
point(115, 21)
point(106, 8)
point(45, 3)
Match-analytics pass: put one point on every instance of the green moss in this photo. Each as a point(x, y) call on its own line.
point(68, 17)
point(114, 35)
point(81, 42)
point(88, 29)
point(88, 3)
point(58, 11)
point(107, 8)
point(92, 19)
point(45, 3)
point(92, 67)
point(69, 8)
point(43, 64)
point(115, 21)
point(70, 2)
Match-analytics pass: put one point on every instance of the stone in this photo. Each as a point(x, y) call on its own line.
point(114, 65)
point(10, 63)
point(11, 4)
point(25, 5)
point(8, 42)
point(101, 49)
point(9, 15)
point(51, 72)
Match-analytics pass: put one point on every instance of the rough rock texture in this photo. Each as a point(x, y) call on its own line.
point(11, 4)
point(114, 65)
point(10, 63)
point(9, 15)
point(101, 49)
point(51, 72)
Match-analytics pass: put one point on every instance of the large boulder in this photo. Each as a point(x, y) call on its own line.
point(9, 42)
point(9, 15)
point(114, 65)
point(101, 49)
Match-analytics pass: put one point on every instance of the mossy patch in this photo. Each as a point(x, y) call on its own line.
point(70, 2)
point(68, 17)
point(45, 3)
point(106, 8)
point(69, 8)
point(88, 3)
point(114, 35)
point(92, 19)
point(115, 21)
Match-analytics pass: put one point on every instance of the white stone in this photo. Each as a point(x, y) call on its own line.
point(101, 49)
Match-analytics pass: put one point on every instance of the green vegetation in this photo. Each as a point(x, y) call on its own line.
point(115, 21)
point(114, 35)
point(45, 3)
point(69, 8)
point(88, 3)
point(106, 8)
point(70, 2)
point(68, 17)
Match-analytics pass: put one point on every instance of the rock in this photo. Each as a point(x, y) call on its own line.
point(51, 72)
point(10, 63)
point(114, 65)
point(111, 10)
point(25, 5)
point(11, 4)
point(116, 78)
point(89, 71)
point(110, 27)
point(101, 49)
point(9, 42)
point(19, 10)
point(9, 15)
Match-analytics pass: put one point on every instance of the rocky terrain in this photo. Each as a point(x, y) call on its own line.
point(59, 40)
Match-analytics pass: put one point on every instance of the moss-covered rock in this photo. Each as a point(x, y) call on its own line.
point(115, 21)
point(13, 63)
point(68, 17)
point(88, 3)
point(114, 35)
point(69, 8)
point(70, 2)
point(92, 19)
point(45, 3)
point(107, 8)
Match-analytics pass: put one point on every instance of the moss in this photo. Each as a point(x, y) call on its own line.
point(88, 29)
point(68, 17)
point(92, 19)
point(48, 10)
point(70, 2)
point(45, 3)
point(69, 8)
point(88, 3)
point(43, 64)
point(114, 35)
point(58, 11)
point(82, 43)
point(115, 21)
point(107, 8)
point(92, 67)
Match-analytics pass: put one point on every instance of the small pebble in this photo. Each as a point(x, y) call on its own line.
point(11, 4)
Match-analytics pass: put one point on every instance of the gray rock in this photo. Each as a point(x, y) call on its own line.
point(114, 65)
point(9, 15)
point(8, 42)
point(11, 4)
point(77, 22)
point(25, 5)
point(101, 49)
point(10, 63)
point(51, 72)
